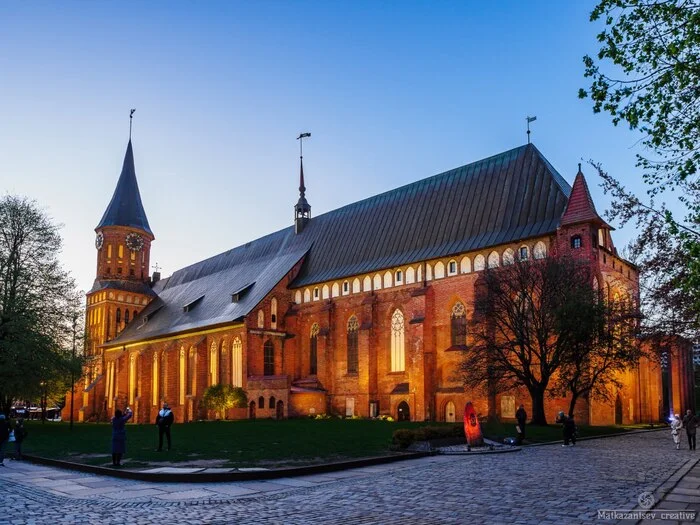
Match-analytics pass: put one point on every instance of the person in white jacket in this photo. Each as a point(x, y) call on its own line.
point(676, 425)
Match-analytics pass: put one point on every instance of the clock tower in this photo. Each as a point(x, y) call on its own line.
point(122, 285)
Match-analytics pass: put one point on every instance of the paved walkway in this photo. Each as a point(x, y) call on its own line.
point(544, 485)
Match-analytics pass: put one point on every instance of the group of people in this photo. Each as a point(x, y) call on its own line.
point(568, 427)
point(690, 422)
point(9, 433)
point(567, 422)
point(164, 420)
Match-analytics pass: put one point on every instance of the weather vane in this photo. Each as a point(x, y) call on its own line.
point(131, 118)
point(301, 138)
point(529, 119)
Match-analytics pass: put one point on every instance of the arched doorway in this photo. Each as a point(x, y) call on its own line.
point(403, 412)
point(618, 410)
point(251, 410)
point(280, 410)
point(450, 412)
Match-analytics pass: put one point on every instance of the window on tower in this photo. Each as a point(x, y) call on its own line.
point(576, 242)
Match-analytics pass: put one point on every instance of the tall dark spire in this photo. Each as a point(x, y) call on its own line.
point(125, 208)
point(302, 209)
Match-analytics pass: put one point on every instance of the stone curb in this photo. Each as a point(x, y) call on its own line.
point(668, 485)
point(208, 477)
point(504, 450)
point(602, 436)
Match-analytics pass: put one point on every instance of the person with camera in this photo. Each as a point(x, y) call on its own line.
point(164, 419)
point(119, 435)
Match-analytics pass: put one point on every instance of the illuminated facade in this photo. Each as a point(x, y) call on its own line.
point(359, 311)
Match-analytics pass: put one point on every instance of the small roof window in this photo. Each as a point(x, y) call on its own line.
point(191, 305)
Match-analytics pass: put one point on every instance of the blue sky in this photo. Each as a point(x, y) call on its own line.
point(392, 92)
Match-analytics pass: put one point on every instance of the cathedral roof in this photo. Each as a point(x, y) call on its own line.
point(125, 208)
point(505, 198)
point(580, 207)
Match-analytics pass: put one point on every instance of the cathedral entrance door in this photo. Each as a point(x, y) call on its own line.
point(618, 410)
point(404, 412)
point(251, 411)
point(280, 410)
point(450, 412)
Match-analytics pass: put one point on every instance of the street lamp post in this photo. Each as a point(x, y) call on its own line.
point(72, 373)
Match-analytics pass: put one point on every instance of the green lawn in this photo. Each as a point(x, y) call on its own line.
point(265, 443)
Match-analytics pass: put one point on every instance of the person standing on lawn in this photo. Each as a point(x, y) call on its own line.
point(164, 419)
point(521, 416)
point(690, 422)
point(20, 434)
point(119, 435)
point(4, 436)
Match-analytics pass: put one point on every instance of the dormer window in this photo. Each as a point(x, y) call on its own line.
point(191, 305)
point(576, 242)
point(346, 288)
point(237, 295)
point(316, 294)
point(399, 277)
point(523, 253)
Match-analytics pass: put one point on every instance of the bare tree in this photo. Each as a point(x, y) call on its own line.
point(530, 320)
point(606, 345)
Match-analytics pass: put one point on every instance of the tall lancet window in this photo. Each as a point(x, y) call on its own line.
point(458, 323)
point(268, 358)
point(313, 350)
point(353, 327)
point(398, 356)
point(237, 362)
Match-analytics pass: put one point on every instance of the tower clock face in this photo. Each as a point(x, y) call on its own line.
point(99, 240)
point(134, 242)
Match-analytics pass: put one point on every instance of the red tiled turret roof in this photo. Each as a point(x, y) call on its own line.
point(580, 207)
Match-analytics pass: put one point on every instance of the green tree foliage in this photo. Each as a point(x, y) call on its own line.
point(37, 304)
point(540, 324)
point(223, 397)
point(655, 45)
point(647, 74)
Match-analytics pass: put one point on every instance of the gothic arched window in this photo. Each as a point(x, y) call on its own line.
point(237, 362)
point(269, 359)
point(398, 357)
point(313, 350)
point(459, 325)
point(353, 358)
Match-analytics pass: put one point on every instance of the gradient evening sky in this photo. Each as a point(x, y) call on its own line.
point(392, 92)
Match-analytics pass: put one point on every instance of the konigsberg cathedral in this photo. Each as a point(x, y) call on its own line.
point(359, 311)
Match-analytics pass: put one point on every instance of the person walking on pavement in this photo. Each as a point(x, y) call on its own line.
point(164, 419)
point(4, 436)
point(521, 416)
point(676, 426)
point(20, 434)
point(690, 422)
point(119, 435)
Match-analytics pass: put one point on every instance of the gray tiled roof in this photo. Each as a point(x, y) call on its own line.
point(508, 197)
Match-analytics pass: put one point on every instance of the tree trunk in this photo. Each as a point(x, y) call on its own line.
point(572, 404)
point(538, 415)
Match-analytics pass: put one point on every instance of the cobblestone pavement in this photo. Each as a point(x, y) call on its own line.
point(546, 484)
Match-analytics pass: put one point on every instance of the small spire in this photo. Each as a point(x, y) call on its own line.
point(131, 118)
point(302, 209)
point(579, 168)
